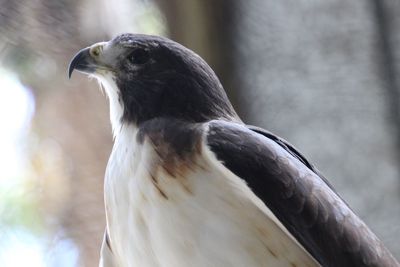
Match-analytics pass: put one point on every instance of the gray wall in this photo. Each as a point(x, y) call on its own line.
point(314, 72)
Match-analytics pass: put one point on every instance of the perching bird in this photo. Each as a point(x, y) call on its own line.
point(189, 184)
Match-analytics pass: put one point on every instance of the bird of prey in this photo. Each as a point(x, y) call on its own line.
point(189, 184)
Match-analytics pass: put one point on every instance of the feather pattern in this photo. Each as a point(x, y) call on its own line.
point(301, 199)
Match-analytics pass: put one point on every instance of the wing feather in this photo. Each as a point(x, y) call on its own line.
point(299, 196)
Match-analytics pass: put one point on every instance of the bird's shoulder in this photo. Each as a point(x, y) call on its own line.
point(177, 143)
point(179, 136)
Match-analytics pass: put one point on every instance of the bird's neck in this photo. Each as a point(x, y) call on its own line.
point(193, 109)
point(116, 106)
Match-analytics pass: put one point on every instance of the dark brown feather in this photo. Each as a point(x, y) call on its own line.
point(303, 201)
point(177, 144)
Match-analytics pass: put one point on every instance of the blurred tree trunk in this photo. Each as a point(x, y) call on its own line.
point(385, 14)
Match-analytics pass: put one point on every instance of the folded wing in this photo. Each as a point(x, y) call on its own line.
point(298, 195)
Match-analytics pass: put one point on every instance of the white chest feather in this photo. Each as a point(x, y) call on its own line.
point(204, 216)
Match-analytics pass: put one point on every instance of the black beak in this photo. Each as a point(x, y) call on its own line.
point(82, 62)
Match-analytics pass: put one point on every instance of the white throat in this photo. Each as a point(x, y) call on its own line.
point(116, 107)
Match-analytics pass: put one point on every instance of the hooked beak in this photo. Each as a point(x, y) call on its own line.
point(82, 62)
point(87, 60)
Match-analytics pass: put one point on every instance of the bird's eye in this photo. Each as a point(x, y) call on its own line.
point(139, 56)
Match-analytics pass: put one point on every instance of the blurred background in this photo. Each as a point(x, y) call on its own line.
point(322, 74)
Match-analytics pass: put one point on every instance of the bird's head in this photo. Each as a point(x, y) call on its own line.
point(146, 77)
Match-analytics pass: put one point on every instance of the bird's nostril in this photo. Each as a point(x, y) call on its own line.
point(95, 50)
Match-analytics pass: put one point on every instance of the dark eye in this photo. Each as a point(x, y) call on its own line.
point(139, 56)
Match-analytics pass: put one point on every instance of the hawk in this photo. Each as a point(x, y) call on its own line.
point(189, 184)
